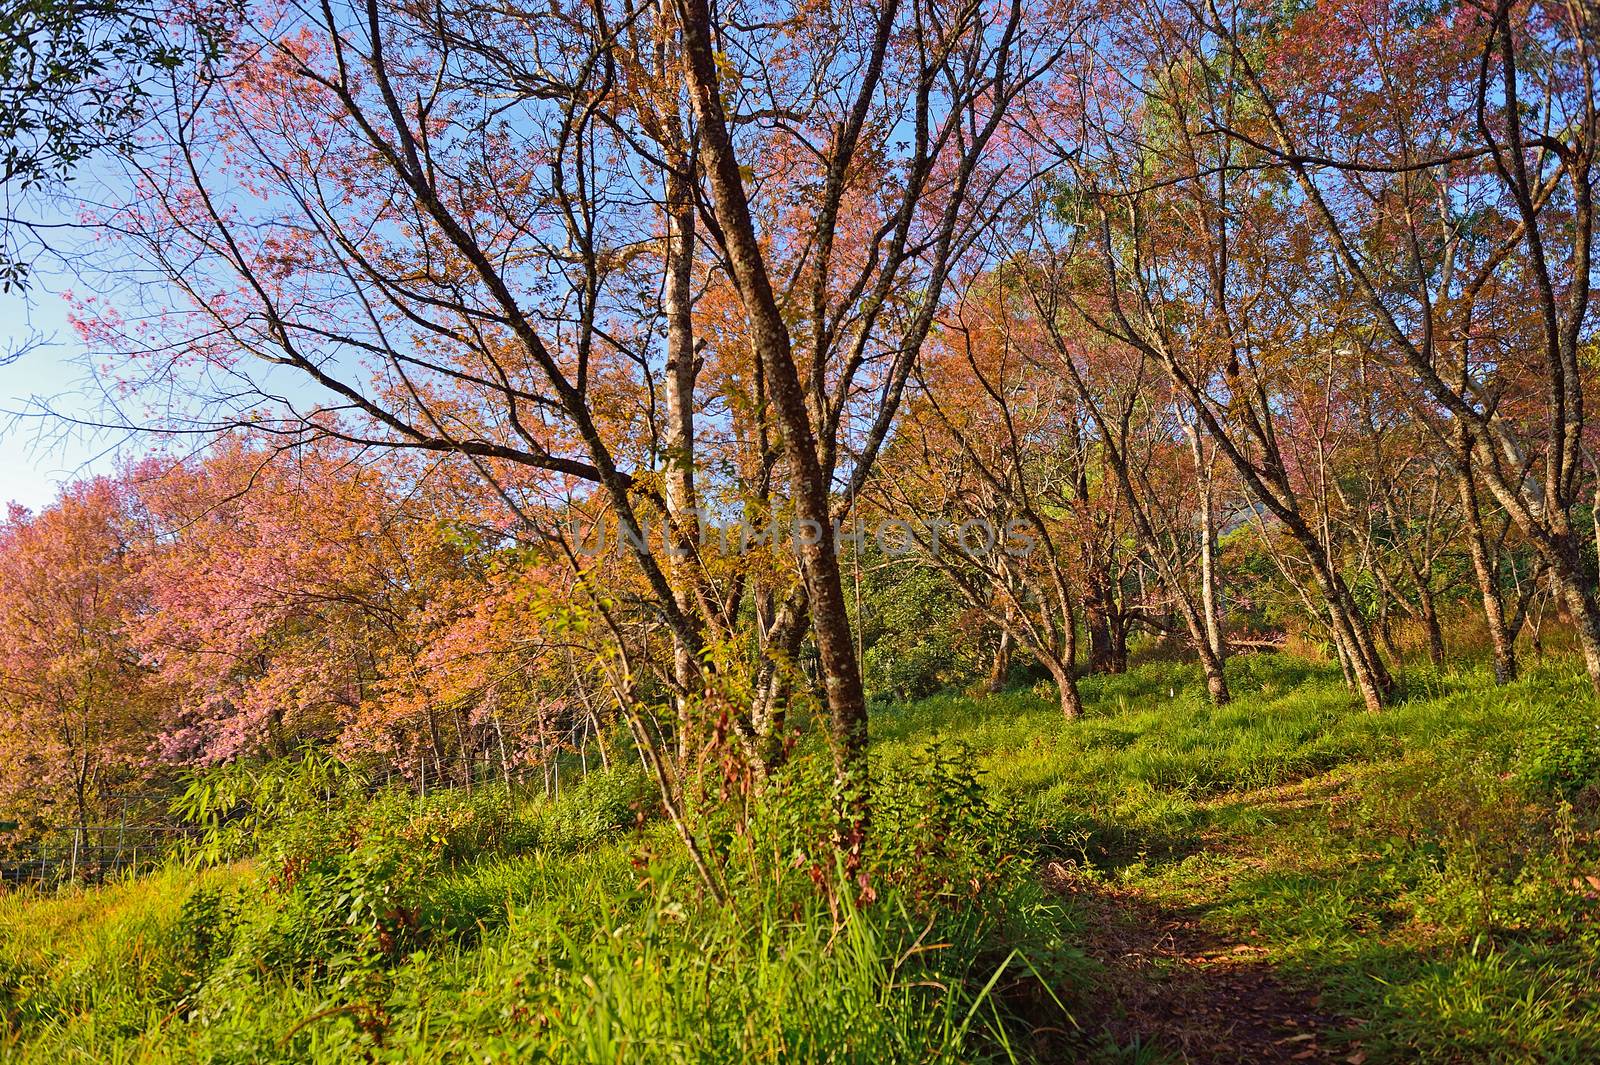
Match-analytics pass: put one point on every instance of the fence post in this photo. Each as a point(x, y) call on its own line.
point(122, 836)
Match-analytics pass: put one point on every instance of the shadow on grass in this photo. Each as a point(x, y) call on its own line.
point(1172, 987)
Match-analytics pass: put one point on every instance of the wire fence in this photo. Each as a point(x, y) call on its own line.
point(90, 854)
point(93, 854)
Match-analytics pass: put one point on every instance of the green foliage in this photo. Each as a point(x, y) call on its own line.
point(73, 80)
point(937, 831)
point(202, 933)
point(1561, 755)
point(600, 808)
point(609, 953)
point(1426, 869)
point(232, 807)
point(917, 637)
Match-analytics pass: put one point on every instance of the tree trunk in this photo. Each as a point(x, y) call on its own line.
point(999, 664)
point(1341, 654)
point(1385, 631)
point(1117, 621)
point(1211, 612)
point(1210, 661)
point(1577, 595)
point(678, 301)
point(768, 745)
point(769, 337)
point(1370, 675)
point(1430, 621)
point(1066, 686)
point(80, 795)
point(1502, 641)
point(1097, 623)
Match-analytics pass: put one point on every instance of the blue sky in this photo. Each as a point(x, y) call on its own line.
point(37, 455)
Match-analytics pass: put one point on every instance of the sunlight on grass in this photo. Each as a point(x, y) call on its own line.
point(1416, 867)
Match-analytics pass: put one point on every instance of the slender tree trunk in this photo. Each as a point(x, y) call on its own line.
point(769, 336)
point(1210, 662)
point(1069, 650)
point(1097, 624)
point(463, 757)
point(1210, 609)
point(1341, 653)
point(1118, 621)
point(436, 744)
point(1385, 631)
point(655, 764)
point(1536, 629)
point(1577, 595)
point(999, 664)
point(679, 436)
point(770, 713)
point(1367, 670)
point(80, 795)
point(1430, 621)
point(1426, 610)
point(1502, 641)
point(1066, 685)
point(1216, 678)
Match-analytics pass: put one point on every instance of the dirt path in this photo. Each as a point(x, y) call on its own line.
point(1174, 984)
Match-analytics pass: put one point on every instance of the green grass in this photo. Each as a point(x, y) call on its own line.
point(1423, 870)
point(1416, 866)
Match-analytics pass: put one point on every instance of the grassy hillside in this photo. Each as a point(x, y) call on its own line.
point(1286, 879)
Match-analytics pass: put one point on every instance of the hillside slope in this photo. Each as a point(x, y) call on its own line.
point(1286, 879)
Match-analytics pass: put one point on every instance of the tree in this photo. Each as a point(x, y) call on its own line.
point(1455, 195)
point(1216, 314)
point(283, 589)
point(74, 79)
point(993, 468)
point(80, 711)
point(1134, 418)
point(348, 202)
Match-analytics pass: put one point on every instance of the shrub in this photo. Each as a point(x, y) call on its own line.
point(601, 806)
point(233, 807)
point(1561, 755)
point(936, 830)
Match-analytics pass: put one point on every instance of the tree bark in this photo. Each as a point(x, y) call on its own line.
point(1430, 621)
point(1577, 595)
point(1066, 686)
point(678, 439)
point(1210, 610)
point(999, 664)
point(769, 336)
point(1097, 623)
